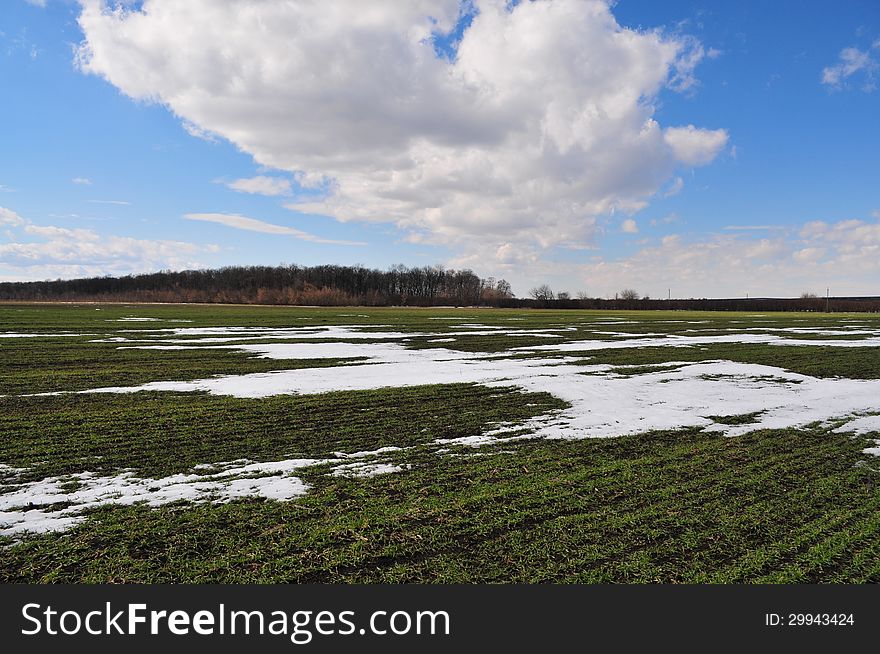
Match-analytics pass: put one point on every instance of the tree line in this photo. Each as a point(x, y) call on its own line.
point(332, 285)
point(326, 285)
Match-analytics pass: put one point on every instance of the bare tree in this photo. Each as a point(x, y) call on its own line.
point(492, 291)
point(583, 295)
point(806, 295)
point(542, 292)
point(628, 294)
point(563, 295)
point(503, 288)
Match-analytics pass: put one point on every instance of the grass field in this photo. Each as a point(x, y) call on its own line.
point(165, 443)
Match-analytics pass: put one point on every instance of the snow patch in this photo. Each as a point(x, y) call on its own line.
point(34, 506)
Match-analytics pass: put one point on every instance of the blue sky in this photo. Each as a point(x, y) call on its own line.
point(123, 151)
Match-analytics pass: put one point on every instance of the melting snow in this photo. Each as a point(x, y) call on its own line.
point(30, 506)
point(21, 335)
point(602, 403)
point(51, 505)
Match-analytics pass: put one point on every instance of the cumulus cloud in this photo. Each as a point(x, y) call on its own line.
point(629, 226)
point(47, 251)
point(253, 225)
point(261, 185)
point(842, 255)
point(540, 121)
point(853, 61)
point(9, 218)
point(694, 146)
point(82, 181)
point(846, 232)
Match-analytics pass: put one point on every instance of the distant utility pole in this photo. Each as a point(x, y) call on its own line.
point(668, 293)
point(827, 300)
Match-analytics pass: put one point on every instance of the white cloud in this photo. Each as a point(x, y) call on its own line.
point(117, 202)
point(694, 146)
point(252, 225)
point(846, 233)
point(36, 3)
point(194, 130)
point(852, 61)
point(10, 218)
point(843, 255)
point(809, 255)
point(261, 185)
point(674, 188)
point(83, 181)
point(542, 122)
point(47, 251)
point(668, 219)
point(629, 226)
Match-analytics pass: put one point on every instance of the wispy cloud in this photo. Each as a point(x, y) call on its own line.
point(850, 62)
point(194, 130)
point(674, 188)
point(261, 185)
point(668, 219)
point(237, 221)
point(82, 181)
point(119, 202)
point(48, 251)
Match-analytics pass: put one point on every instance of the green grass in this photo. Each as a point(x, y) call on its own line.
point(665, 507)
point(46, 365)
point(159, 434)
point(812, 360)
point(796, 505)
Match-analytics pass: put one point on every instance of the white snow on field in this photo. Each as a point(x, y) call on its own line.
point(133, 319)
point(862, 425)
point(29, 508)
point(602, 402)
point(49, 504)
point(676, 340)
point(336, 332)
point(360, 469)
point(197, 335)
point(30, 335)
